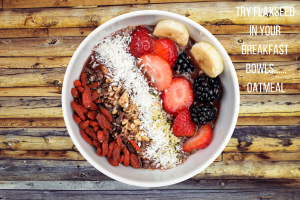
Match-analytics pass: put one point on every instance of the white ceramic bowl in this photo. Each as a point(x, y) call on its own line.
point(198, 161)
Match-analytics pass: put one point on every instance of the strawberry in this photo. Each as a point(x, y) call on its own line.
point(183, 125)
point(178, 96)
point(200, 140)
point(141, 42)
point(156, 70)
point(166, 49)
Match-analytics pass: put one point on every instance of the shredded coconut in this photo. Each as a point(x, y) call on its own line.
point(113, 53)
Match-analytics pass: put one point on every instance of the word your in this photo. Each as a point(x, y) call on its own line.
point(263, 87)
point(259, 68)
point(267, 30)
point(265, 11)
point(264, 49)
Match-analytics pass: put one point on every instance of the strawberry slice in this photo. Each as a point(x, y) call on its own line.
point(183, 125)
point(166, 49)
point(178, 96)
point(200, 140)
point(156, 70)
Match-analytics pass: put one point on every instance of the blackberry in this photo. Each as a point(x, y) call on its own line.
point(183, 64)
point(202, 113)
point(207, 89)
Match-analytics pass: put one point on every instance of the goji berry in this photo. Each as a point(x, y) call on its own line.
point(122, 158)
point(93, 107)
point(106, 133)
point(85, 137)
point(77, 119)
point(84, 124)
point(134, 161)
point(77, 83)
point(103, 122)
point(78, 111)
point(96, 128)
point(94, 85)
point(137, 148)
point(87, 98)
point(116, 153)
point(119, 141)
point(112, 162)
point(92, 114)
point(96, 143)
point(99, 151)
point(106, 113)
point(84, 110)
point(80, 89)
point(111, 148)
point(100, 136)
point(126, 158)
point(75, 93)
point(105, 147)
point(98, 101)
point(82, 78)
point(93, 123)
point(90, 132)
point(95, 95)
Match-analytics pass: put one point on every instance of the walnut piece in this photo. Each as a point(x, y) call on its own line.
point(124, 99)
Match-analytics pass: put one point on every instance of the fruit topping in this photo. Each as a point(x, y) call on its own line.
point(207, 89)
point(202, 113)
point(178, 96)
point(141, 42)
point(200, 140)
point(183, 64)
point(157, 71)
point(174, 30)
point(183, 125)
point(166, 49)
point(208, 58)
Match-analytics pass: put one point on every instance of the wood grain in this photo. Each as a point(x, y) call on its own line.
point(30, 91)
point(23, 33)
point(263, 156)
point(264, 58)
point(34, 62)
point(203, 13)
point(267, 121)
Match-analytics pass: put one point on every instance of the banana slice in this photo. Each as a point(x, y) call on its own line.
point(208, 58)
point(174, 30)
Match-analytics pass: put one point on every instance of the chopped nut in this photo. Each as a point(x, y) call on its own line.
point(145, 138)
point(124, 99)
point(137, 122)
point(104, 70)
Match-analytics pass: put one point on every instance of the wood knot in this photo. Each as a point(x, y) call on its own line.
point(240, 41)
point(223, 183)
point(237, 157)
point(53, 41)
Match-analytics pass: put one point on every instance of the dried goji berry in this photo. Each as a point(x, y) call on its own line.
point(111, 148)
point(106, 133)
point(137, 148)
point(84, 110)
point(95, 95)
point(126, 158)
point(106, 113)
point(96, 128)
point(119, 141)
point(82, 78)
point(92, 114)
point(77, 119)
point(99, 151)
point(90, 132)
point(134, 161)
point(78, 111)
point(93, 107)
point(96, 143)
point(94, 85)
point(85, 124)
point(98, 101)
point(103, 122)
point(77, 83)
point(87, 98)
point(80, 89)
point(122, 158)
point(75, 93)
point(85, 137)
point(93, 123)
point(116, 153)
point(112, 162)
point(105, 147)
point(100, 136)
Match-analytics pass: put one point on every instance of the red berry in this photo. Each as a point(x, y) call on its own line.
point(166, 49)
point(141, 42)
point(157, 71)
point(178, 96)
point(183, 125)
point(200, 140)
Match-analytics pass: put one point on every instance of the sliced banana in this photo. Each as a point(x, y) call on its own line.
point(174, 30)
point(208, 58)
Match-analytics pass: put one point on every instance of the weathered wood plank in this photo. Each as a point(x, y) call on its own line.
point(33, 91)
point(65, 46)
point(287, 88)
point(264, 58)
point(45, 155)
point(23, 33)
point(268, 121)
point(34, 132)
point(264, 156)
point(34, 62)
point(47, 170)
point(153, 194)
point(201, 12)
point(116, 185)
point(56, 32)
point(32, 122)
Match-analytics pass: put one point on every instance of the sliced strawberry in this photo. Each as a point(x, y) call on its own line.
point(166, 49)
point(157, 71)
point(183, 125)
point(141, 42)
point(200, 140)
point(178, 96)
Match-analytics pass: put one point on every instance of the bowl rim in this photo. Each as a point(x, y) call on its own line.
point(218, 149)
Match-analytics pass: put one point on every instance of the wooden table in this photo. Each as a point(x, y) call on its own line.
point(39, 160)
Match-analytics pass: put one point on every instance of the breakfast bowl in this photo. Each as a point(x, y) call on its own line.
point(198, 161)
